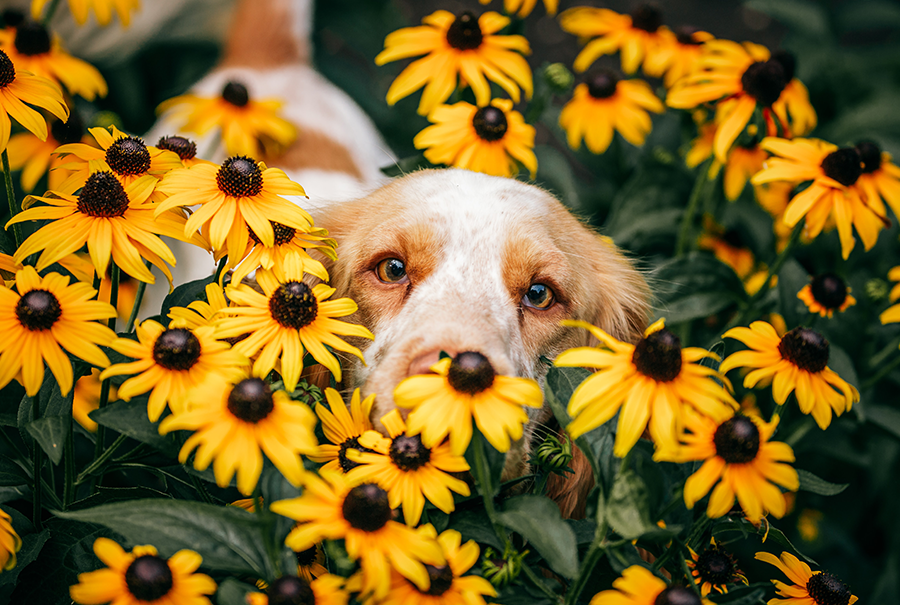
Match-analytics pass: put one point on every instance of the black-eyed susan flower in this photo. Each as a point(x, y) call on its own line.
point(409, 471)
point(234, 420)
point(328, 589)
point(311, 563)
point(200, 312)
point(807, 587)
point(743, 77)
point(714, 568)
point(241, 195)
point(34, 50)
point(142, 577)
point(652, 382)
point(740, 461)
point(604, 103)
point(115, 223)
point(81, 267)
point(35, 157)
point(493, 139)
point(448, 584)
point(880, 178)
point(86, 399)
point(825, 294)
point(248, 126)
point(286, 318)
point(638, 586)
point(741, 165)
point(342, 428)
point(103, 10)
point(796, 362)
point(523, 8)
point(17, 91)
point(892, 314)
point(288, 241)
point(728, 246)
point(461, 389)
point(41, 318)
point(462, 46)
point(10, 542)
point(793, 106)
point(332, 508)
point(638, 36)
point(127, 157)
point(169, 362)
point(833, 192)
point(183, 147)
point(678, 55)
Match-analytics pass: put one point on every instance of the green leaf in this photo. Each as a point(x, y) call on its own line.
point(495, 460)
point(791, 279)
point(51, 433)
point(886, 417)
point(696, 286)
point(627, 507)
point(232, 592)
point(777, 536)
point(106, 495)
point(555, 174)
point(798, 15)
point(228, 538)
point(869, 15)
point(475, 525)
point(11, 473)
point(184, 295)
point(31, 548)
point(745, 595)
point(817, 485)
point(130, 418)
point(538, 520)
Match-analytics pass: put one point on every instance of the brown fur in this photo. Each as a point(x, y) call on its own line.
point(315, 150)
point(260, 36)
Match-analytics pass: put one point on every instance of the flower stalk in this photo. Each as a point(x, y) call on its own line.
point(687, 220)
point(11, 198)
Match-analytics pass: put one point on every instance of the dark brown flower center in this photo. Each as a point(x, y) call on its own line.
point(251, 400)
point(148, 578)
point(176, 349)
point(870, 154)
point(348, 465)
point(11, 17)
point(490, 123)
point(829, 290)
point(647, 17)
point(128, 156)
point(240, 176)
point(186, 149)
point(677, 595)
point(306, 557)
point(470, 372)
point(685, 35)
point(602, 83)
point(38, 310)
point(788, 63)
point(805, 348)
point(69, 131)
point(290, 590)
point(764, 81)
point(7, 70)
point(465, 33)
point(441, 579)
point(658, 356)
point(843, 165)
point(366, 507)
point(102, 196)
point(236, 94)
point(408, 453)
point(716, 566)
point(733, 238)
point(293, 305)
point(737, 440)
point(283, 233)
point(32, 38)
point(825, 589)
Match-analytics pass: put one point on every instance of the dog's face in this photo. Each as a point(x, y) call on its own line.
point(451, 260)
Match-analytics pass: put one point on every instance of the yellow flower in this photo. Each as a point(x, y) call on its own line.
point(35, 157)
point(169, 363)
point(288, 241)
point(742, 163)
point(604, 103)
point(48, 313)
point(287, 318)
point(523, 8)
point(880, 178)
point(183, 147)
point(795, 362)
point(325, 590)
point(32, 49)
point(102, 9)
point(241, 196)
point(639, 36)
point(81, 267)
point(457, 45)
point(332, 508)
point(86, 399)
point(728, 246)
point(448, 584)
point(808, 524)
point(248, 126)
point(114, 222)
point(714, 568)
point(652, 382)
point(234, 420)
point(10, 542)
point(17, 89)
point(826, 294)
point(678, 55)
point(638, 586)
point(488, 139)
point(311, 563)
point(807, 587)
point(409, 471)
point(200, 313)
point(460, 389)
point(793, 106)
point(892, 314)
point(342, 428)
point(141, 577)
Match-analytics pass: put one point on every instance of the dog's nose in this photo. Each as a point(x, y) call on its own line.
point(422, 364)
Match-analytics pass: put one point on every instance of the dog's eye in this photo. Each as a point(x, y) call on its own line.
point(539, 296)
point(391, 270)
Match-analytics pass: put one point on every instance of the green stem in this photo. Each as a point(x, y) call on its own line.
point(199, 487)
point(263, 515)
point(11, 198)
point(591, 558)
point(539, 583)
point(138, 298)
point(221, 269)
point(687, 572)
point(483, 477)
point(38, 458)
point(50, 12)
point(104, 386)
point(69, 454)
point(687, 220)
point(884, 371)
point(100, 459)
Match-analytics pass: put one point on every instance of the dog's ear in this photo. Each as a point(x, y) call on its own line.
point(269, 33)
